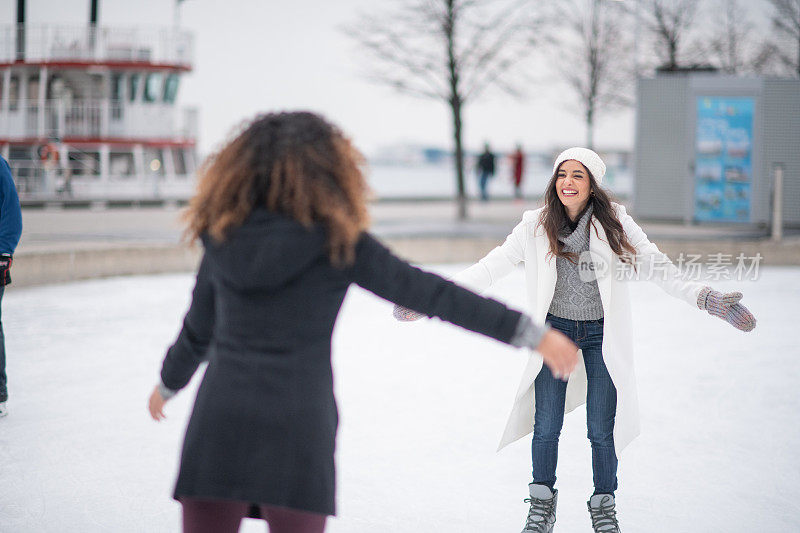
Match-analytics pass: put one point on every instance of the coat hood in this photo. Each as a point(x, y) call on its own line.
point(267, 251)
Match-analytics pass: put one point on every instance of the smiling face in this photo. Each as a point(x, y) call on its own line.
point(573, 186)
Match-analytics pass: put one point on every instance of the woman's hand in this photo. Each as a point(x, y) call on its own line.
point(156, 405)
point(559, 353)
point(727, 307)
point(404, 314)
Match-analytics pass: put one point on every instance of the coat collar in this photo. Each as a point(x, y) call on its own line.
point(603, 259)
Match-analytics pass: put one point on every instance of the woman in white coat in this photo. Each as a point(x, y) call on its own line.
point(578, 250)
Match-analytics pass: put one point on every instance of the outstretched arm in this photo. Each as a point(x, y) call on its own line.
point(659, 268)
point(379, 271)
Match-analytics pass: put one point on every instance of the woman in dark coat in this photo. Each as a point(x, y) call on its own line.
point(282, 217)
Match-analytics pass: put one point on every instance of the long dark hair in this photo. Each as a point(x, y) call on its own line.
point(554, 217)
point(297, 164)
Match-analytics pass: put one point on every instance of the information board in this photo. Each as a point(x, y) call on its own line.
point(723, 159)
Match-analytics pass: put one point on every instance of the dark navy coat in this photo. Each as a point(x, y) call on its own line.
point(10, 212)
point(263, 310)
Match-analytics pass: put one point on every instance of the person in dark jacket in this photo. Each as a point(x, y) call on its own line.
point(10, 231)
point(485, 169)
point(282, 217)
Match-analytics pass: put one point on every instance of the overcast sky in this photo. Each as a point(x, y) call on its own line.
point(260, 55)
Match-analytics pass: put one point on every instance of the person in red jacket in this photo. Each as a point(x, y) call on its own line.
point(517, 169)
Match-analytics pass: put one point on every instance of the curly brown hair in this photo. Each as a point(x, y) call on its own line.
point(554, 217)
point(294, 163)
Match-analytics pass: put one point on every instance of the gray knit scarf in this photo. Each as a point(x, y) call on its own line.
point(574, 298)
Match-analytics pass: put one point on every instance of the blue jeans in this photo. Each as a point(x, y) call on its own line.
point(483, 183)
point(3, 389)
point(601, 409)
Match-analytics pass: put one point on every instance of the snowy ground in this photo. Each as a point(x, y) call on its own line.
point(422, 407)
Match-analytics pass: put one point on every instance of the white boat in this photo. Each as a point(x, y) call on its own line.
point(89, 112)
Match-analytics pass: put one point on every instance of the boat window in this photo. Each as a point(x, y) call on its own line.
point(133, 86)
point(117, 86)
point(152, 87)
point(20, 153)
point(171, 88)
point(84, 163)
point(33, 89)
point(55, 87)
point(121, 164)
point(117, 95)
point(13, 93)
point(179, 160)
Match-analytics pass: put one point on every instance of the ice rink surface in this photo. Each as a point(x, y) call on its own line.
point(422, 408)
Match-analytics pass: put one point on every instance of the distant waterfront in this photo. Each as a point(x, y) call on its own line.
point(437, 180)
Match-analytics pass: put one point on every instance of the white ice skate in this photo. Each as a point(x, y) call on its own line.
point(602, 509)
point(542, 514)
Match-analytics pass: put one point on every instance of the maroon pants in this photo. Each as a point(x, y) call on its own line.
point(219, 516)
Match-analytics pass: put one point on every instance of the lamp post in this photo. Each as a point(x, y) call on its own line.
point(176, 14)
point(20, 37)
point(777, 203)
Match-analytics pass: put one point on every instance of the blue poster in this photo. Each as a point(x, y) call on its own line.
point(723, 159)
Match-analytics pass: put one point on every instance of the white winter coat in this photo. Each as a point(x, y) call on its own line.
point(528, 243)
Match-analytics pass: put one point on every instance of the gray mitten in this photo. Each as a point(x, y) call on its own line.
point(404, 314)
point(727, 307)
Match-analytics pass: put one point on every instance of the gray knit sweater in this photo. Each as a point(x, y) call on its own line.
point(574, 298)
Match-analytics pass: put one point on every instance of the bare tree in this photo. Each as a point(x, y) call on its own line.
point(730, 46)
point(593, 58)
point(670, 22)
point(786, 47)
point(448, 50)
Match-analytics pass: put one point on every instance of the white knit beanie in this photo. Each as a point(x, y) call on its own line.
point(589, 159)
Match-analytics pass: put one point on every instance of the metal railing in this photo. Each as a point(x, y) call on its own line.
point(47, 43)
point(30, 177)
point(99, 118)
point(78, 180)
point(51, 178)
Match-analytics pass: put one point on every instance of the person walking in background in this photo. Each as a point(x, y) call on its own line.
point(517, 170)
point(281, 212)
point(485, 169)
point(10, 231)
point(574, 250)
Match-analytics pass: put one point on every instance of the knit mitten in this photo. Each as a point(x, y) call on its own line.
point(404, 314)
point(727, 307)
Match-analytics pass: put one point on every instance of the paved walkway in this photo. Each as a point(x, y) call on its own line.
point(62, 244)
point(65, 229)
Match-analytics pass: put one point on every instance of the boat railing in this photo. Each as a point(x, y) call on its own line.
point(100, 44)
point(98, 119)
point(29, 177)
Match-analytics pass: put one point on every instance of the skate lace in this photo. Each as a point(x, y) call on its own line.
point(538, 514)
point(604, 518)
